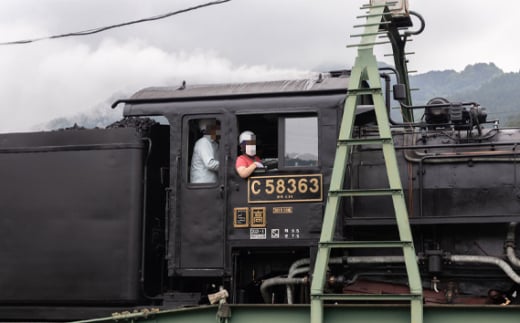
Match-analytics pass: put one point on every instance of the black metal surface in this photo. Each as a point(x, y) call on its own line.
point(71, 217)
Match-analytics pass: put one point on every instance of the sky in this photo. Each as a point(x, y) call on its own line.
point(237, 41)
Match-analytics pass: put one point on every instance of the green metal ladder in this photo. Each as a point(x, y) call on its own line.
point(365, 69)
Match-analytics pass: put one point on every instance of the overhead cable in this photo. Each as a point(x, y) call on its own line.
point(101, 29)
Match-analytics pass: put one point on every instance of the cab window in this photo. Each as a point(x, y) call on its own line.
point(300, 141)
point(283, 140)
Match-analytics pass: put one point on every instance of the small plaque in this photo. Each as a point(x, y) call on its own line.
point(241, 217)
point(257, 233)
point(258, 217)
point(283, 210)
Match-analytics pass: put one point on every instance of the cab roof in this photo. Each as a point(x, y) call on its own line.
point(327, 82)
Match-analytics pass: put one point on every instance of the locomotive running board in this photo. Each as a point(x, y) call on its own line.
point(332, 314)
point(365, 71)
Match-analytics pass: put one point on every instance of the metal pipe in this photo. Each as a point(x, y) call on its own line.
point(279, 281)
point(511, 255)
point(289, 287)
point(144, 217)
point(510, 245)
point(294, 270)
point(487, 260)
point(506, 268)
point(479, 145)
point(298, 263)
point(374, 259)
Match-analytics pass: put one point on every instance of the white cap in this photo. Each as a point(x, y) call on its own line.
point(245, 136)
point(204, 124)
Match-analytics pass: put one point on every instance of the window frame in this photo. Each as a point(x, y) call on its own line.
point(282, 139)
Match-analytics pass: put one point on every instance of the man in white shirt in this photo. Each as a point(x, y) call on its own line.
point(204, 162)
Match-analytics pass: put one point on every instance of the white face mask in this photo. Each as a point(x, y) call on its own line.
point(251, 150)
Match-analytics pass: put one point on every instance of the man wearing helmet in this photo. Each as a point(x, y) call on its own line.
point(248, 161)
point(204, 162)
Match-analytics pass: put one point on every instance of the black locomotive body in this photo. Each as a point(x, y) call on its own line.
point(101, 220)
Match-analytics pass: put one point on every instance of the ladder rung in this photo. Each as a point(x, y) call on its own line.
point(366, 34)
point(369, 6)
point(368, 44)
point(371, 15)
point(367, 192)
point(366, 297)
point(391, 55)
point(364, 91)
point(375, 24)
point(365, 141)
point(365, 244)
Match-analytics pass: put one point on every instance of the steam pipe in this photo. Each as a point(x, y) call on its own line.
point(279, 281)
point(145, 220)
point(374, 259)
point(510, 245)
point(487, 260)
point(298, 263)
point(294, 270)
point(506, 268)
point(289, 287)
point(479, 144)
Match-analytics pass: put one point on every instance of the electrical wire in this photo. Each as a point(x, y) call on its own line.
point(101, 29)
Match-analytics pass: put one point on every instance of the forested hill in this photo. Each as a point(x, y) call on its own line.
point(486, 84)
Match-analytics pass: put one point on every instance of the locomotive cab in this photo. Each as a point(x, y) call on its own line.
point(254, 228)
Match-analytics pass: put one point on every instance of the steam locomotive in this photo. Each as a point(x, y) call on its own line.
point(98, 220)
point(95, 221)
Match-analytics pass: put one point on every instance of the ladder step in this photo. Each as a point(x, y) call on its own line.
point(364, 91)
point(368, 44)
point(367, 34)
point(365, 244)
point(371, 6)
point(370, 15)
point(365, 141)
point(368, 192)
point(371, 25)
point(366, 297)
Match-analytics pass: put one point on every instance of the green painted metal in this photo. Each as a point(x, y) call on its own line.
point(365, 69)
point(332, 314)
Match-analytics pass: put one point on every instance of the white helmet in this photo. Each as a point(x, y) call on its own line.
point(246, 136)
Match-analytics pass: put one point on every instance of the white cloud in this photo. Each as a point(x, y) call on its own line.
point(72, 79)
point(238, 41)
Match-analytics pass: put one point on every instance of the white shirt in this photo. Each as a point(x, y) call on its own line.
point(204, 163)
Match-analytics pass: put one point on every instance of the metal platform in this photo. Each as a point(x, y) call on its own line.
point(332, 314)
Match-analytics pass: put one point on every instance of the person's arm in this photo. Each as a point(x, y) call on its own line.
point(244, 171)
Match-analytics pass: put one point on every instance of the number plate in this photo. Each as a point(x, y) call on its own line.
point(292, 188)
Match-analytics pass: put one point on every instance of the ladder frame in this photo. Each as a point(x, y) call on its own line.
point(365, 69)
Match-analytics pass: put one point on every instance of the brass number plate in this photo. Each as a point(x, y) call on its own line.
point(291, 188)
